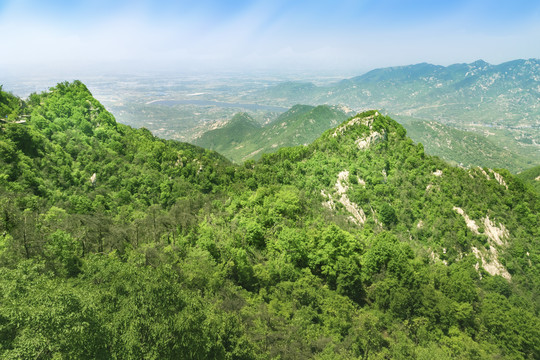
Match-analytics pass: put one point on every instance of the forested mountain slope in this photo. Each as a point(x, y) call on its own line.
point(300, 125)
point(532, 177)
point(355, 246)
point(466, 148)
point(240, 128)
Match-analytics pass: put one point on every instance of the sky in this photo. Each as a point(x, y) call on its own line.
point(338, 36)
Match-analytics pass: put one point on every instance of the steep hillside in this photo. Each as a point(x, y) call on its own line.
point(72, 155)
point(461, 147)
point(116, 244)
point(299, 125)
point(240, 127)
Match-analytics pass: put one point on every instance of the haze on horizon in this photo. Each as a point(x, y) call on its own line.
point(345, 36)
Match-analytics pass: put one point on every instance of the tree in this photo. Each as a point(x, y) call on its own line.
point(62, 252)
point(387, 215)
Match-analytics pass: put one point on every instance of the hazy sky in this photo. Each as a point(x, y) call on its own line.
point(42, 36)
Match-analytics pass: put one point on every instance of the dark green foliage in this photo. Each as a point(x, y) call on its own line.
point(387, 214)
point(532, 177)
point(171, 251)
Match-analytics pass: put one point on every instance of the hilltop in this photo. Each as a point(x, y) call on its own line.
point(118, 244)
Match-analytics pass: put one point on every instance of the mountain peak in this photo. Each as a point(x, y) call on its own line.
point(367, 128)
point(480, 63)
point(366, 119)
point(243, 119)
point(399, 73)
point(240, 127)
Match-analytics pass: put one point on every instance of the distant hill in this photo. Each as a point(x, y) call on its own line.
point(242, 138)
point(237, 130)
point(503, 100)
point(505, 94)
point(460, 147)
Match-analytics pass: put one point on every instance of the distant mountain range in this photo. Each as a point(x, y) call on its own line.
point(501, 102)
point(424, 90)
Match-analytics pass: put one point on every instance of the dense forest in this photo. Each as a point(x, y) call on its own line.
point(117, 244)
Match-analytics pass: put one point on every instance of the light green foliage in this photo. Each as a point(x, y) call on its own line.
point(287, 202)
point(171, 251)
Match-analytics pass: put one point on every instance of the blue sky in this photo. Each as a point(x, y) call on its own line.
point(210, 35)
